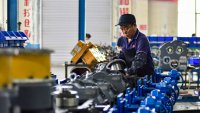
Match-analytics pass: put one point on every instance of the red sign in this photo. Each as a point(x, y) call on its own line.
point(124, 2)
point(26, 14)
point(143, 27)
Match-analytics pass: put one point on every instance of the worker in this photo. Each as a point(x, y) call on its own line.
point(193, 34)
point(87, 37)
point(135, 49)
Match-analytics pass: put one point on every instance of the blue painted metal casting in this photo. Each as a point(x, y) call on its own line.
point(149, 97)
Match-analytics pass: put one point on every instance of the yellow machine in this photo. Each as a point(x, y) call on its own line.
point(92, 57)
point(88, 53)
point(31, 63)
point(28, 71)
point(19, 64)
point(79, 50)
point(5, 60)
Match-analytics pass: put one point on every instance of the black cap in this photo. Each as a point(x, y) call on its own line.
point(126, 19)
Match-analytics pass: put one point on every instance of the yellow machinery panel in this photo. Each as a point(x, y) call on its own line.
point(28, 63)
point(88, 53)
point(93, 56)
point(80, 49)
point(4, 70)
point(5, 61)
point(89, 59)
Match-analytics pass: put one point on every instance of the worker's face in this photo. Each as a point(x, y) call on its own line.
point(86, 38)
point(128, 30)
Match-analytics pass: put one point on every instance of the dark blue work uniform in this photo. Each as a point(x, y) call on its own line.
point(137, 54)
point(120, 41)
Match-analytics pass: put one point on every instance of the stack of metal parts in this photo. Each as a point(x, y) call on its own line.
point(87, 53)
point(148, 97)
point(97, 88)
point(108, 51)
point(11, 39)
point(25, 81)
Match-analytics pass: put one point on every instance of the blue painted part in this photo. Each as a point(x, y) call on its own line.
point(12, 35)
point(5, 35)
point(149, 96)
point(12, 15)
point(32, 46)
point(168, 39)
point(114, 44)
point(23, 35)
point(82, 20)
point(2, 37)
point(11, 39)
point(63, 81)
point(159, 40)
point(194, 61)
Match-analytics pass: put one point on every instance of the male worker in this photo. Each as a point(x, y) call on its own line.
point(87, 37)
point(135, 49)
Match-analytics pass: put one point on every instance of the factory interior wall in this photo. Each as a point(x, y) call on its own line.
point(162, 18)
point(140, 10)
point(3, 14)
point(198, 25)
point(186, 18)
point(198, 17)
point(189, 19)
point(60, 28)
point(99, 21)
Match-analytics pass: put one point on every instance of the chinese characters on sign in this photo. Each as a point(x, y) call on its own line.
point(124, 8)
point(120, 7)
point(25, 16)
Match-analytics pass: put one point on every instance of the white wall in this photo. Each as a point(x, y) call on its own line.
point(186, 17)
point(140, 10)
point(162, 18)
point(60, 28)
point(3, 14)
point(98, 18)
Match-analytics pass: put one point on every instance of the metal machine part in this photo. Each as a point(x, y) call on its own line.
point(86, 90)
point(116, 65)
point(67, 98)
point(173, 55)
point(34, 96)
point(108, 91)
point(101, 86)
point(115, 79)
point(166, 59)
point(174, 64)
point(5, 104)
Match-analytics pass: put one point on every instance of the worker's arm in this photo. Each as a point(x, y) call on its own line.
point(139, 61)
point(141, 56)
